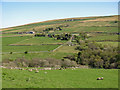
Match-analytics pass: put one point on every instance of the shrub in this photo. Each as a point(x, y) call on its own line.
point(97, 56)
point(22, 62)
point(113, 65)
point(11, 52)
point(26, 52)
point(68, 63)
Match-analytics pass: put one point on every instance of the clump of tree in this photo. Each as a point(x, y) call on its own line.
point(11, 52)
point(98, 56)
point(26, 52)
point(80, 37)
point(63, 36)
point(39, 35)
point(35, 62)
point(58, 28)
point(47, 29)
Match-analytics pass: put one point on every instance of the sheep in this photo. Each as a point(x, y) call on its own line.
point(11, 67)
point(101, 78)
point(73, 68)
point(98, 78)
point(47, 68)
point(23, 69)
point(20, 68)
point(2, 67)
point(45, 72)
point(16, 68)
point(60, 69)
point(30, 70)
point(36, 71)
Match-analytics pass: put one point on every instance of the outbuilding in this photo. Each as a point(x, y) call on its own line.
point(31, 32)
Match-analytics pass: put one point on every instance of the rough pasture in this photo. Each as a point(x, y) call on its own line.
point(78, 78)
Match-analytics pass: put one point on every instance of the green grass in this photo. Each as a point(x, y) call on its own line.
point(29, 27)
point(39, 40)
point(27, 40)
point(9, 40)
point(79, 78)
point(28, 48)
point(97, 23)
point(73, 25)
point(41, 55)
point(114, 44)
point(104, 37)
point(67, 49)
point(89, 29)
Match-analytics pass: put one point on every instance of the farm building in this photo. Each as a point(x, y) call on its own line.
point(31, 32)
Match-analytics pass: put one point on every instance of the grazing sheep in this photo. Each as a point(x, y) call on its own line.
point(73, 68)
point(30, 70)
point(98, 78)
point(20, 68)
point(45, 72)
point(101, 78)
point(36, 71)
point(2, 67)
point(60, 68)
point(47, 68)
point(23, 69)
point(11, 67)
point(16, 68)
point(26, 68)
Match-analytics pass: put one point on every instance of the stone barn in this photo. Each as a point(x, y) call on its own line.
point(31, 32)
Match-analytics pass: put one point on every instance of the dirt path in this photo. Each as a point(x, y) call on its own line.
point(62, 44)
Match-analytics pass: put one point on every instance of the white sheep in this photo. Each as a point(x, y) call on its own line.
point(45, 72)
point(101, 78)
point(30, 70)
point(98, 78)
point(36, 71)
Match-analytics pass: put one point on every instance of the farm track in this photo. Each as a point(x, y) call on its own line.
point(57, 48)
point(62, 44)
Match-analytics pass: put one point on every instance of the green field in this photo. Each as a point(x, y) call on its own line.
point(40, 55)
point(38, 41)
point(104, 37)
point(29, 48)
point(79, 78)
point(114, 44)
point(34, 44)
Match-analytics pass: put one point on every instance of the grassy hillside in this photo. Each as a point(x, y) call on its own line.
point(103, 30)
point(76, 23)
point(79, 78)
